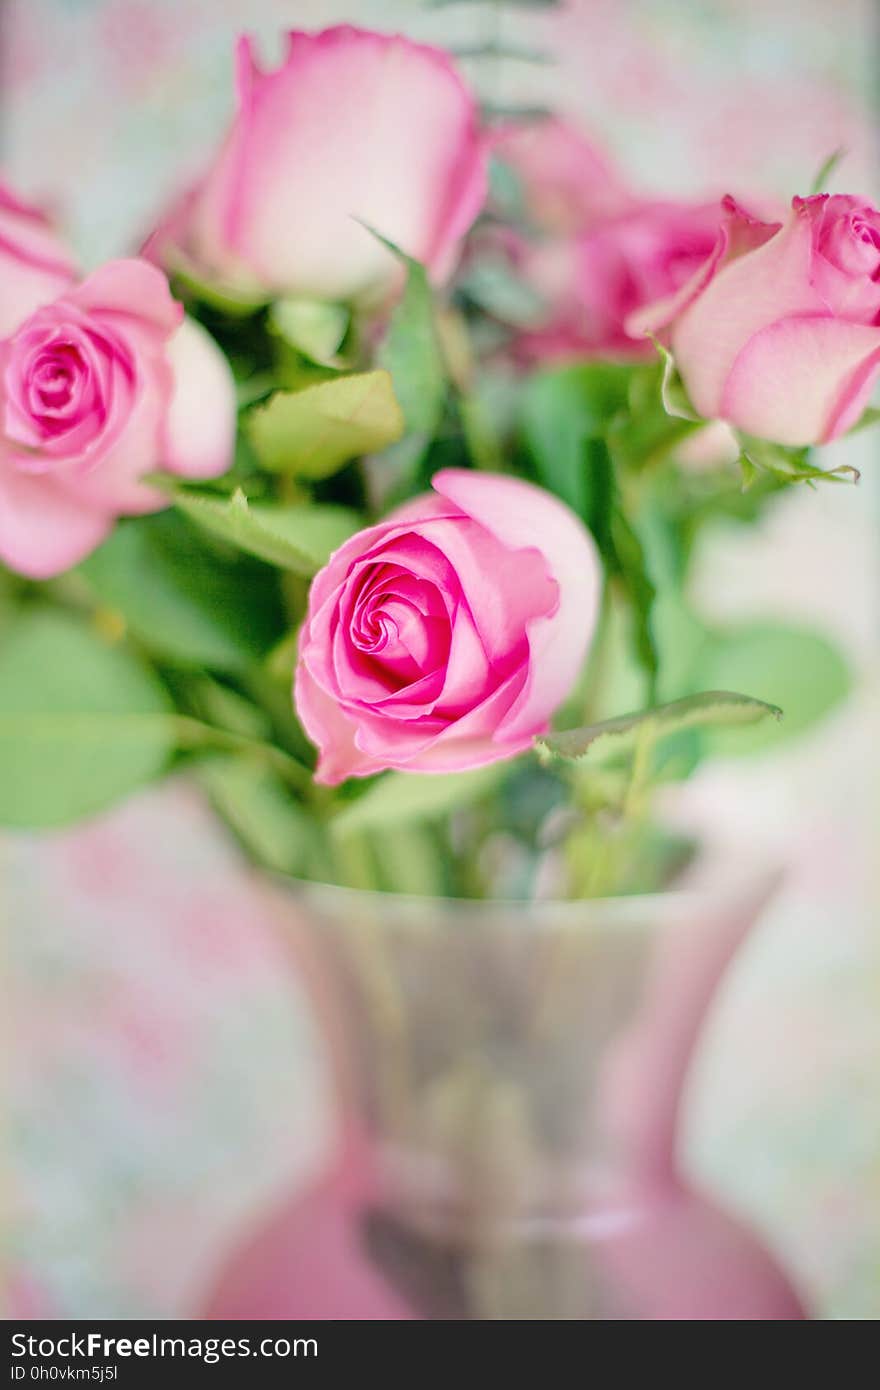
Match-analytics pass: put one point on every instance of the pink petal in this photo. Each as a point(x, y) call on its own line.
point(133, 289)
point(468, 677)
point(522, 516)
point(802, 380)
point(44, 532)
point(738, 233)
point(331, 731)
point(201, 421)
point(745, 296)
point(112, 481)
point(470, 742)
point(34, 266)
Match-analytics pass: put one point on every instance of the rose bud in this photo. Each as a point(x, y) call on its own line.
point(354, 127)
point(779, 333)
point(100, 383)
point(446, 637)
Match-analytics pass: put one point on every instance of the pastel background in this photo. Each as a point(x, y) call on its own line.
point(166, 1080)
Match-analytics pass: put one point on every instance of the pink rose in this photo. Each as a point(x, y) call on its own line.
point(446, 636)
point(779, 333)
point(100, 383)
point(567, 182)
point(593, 282)
point(353, 127)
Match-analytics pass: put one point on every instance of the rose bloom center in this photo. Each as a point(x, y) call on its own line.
point(400, 624)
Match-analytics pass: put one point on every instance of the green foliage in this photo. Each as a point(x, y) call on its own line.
point(404, 798)
point(567, 416)
point(825, 170)
point(312, 433)
point(412, 353)
point(254, 801)
point(673, 392)
point(613, 737)
point(299, 539)
point(82, 723)
point(184, 598)
point(562, 410)
point(314, 328)
point(787, 465)
point(795, 668)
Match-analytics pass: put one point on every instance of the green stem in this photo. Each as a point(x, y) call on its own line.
point(194, 734)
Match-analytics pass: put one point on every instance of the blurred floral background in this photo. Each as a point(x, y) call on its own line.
point(167, 1080)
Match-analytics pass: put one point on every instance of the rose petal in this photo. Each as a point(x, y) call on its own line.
point(802, 380)
point(519, 514)
point(745, 296)
point(201, 421)
point(331, 731)
point(132, 289)
point(112, 483)
point(43, 531)
point(34, 267)
point(738, 233)
point(469, 742)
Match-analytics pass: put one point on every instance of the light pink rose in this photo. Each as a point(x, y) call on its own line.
point(100, 382)
point(779, 333)
point(445, 637)
point(353, 127)
point(567, 181)
point(594, 281)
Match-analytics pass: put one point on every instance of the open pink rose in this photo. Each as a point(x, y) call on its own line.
point(100, 382)
point(594, 281)
point(446, 636)
point(354, 127)
point(779, 333)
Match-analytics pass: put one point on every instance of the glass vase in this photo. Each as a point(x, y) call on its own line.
point(509, 1081)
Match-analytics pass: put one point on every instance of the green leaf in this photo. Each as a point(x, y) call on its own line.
point(608, 740)
point(673, 393)
point(787, 465)
point(825, 171)
point(561, 410)
point(402, 798)
point(313, 327)
point(867, 418)
point(628, 558)
point(795, 668)
point(255, 803)
point(412, 353)
point(182, 598)
point(312, 433)
point(81, 723)
point(300, 539)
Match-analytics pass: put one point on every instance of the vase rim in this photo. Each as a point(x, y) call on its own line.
point(635, 910)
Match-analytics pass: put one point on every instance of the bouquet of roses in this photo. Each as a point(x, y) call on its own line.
point(379, 471)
